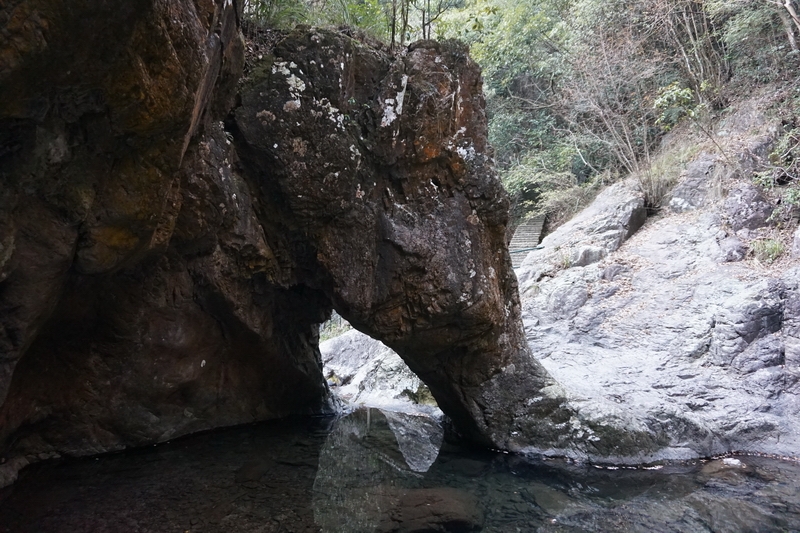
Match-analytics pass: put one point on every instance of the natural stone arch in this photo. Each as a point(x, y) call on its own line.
point(378, 165)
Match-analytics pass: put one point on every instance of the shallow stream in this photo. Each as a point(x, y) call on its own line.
point(376, 471)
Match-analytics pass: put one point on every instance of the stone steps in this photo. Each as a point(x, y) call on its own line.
point(527, 236)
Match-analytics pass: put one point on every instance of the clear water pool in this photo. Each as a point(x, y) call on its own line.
point(375, 471)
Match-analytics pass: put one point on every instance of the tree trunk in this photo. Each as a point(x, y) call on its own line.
point(394, 21)
point(404, 7)
point(789, 5)
point(787, 25)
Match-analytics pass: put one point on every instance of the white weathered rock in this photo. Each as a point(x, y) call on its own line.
point(362, 371)
point(668, 337)
point(598, 230)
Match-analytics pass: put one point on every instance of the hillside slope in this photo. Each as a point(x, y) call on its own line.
point(681, 331)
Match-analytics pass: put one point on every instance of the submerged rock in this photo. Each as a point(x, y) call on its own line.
point(441, 509)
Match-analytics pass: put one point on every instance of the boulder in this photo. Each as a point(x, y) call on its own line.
point(616, 214)
point(377, 174)
point(747, 208)
point(169, 246)
point(732, 249)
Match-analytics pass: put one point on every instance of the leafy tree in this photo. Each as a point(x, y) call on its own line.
point(275, 13)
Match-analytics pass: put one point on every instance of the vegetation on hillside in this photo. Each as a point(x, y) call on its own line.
point(582, 91)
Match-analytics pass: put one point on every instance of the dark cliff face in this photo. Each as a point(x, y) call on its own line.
point(139, 299)
point(165, 255)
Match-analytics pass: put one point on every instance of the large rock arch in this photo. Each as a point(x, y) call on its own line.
point(163, 268)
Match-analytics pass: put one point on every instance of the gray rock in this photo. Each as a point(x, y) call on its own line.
point(665, 349)
point(755, 155)
point(673, 339)
point(362, 371)
point(732, 249)
point(796, 243)
point(616, 214)
point(747, 208)
point(744, 318)
point(692, 191)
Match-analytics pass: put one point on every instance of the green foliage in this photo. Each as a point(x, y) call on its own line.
point(368, 15)
point(510, 39)
point(786, 155)
point(754, 38)
point(674, 102)
point(767, 250)
point(275, 13)
point(791, 197)
point(334, 327)
point(559, 195)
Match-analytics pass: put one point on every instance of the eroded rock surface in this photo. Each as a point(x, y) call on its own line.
point(392, 198)
point(674, 335)
point(167, 255)
point(139, 298)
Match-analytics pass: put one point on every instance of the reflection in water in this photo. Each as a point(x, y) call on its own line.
point(419, 438)
point(378, 472)
point(361, 474)
point(254, 478)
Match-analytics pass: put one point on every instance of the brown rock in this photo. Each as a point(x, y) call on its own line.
point(440, 509)
point(399, 214)
point(152, 283)
point(139, 298)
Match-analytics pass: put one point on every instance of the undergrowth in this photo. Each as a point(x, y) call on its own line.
point(767, 251)
point(334, 327)
point(661, 176)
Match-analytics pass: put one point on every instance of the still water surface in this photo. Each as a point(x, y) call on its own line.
point(377, 471)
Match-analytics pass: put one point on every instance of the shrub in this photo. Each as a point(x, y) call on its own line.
point(277, 14)
point(767, 250)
